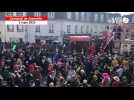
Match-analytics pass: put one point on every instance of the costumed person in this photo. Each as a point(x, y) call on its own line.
point(105, 80)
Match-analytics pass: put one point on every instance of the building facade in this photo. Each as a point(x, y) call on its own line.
point(126, 41)
point(59, 23)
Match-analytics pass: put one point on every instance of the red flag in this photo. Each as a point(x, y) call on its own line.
point(107, 37)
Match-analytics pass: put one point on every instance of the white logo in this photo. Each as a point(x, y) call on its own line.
point(120, 20)
point(125, 20)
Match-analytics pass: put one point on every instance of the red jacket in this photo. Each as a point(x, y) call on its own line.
point(115, 84)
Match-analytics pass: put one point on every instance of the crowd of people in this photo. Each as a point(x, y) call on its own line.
point(33, 65)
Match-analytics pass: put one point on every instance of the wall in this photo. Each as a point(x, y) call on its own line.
point(14, 34)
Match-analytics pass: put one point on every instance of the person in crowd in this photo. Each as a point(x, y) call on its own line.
point(94, 82)
point(106, 80)
point(33, 64)
point(116, 82)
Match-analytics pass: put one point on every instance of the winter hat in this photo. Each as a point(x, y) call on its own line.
point(84, 81)
point(116, 78)
point(51, 84)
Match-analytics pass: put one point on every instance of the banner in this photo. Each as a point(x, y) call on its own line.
point(107, 38)
point(26, 20)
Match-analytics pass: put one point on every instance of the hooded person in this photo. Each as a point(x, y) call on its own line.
point(94, 81)
point(44, 65)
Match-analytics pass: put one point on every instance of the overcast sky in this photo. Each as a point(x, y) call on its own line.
point(124, 13)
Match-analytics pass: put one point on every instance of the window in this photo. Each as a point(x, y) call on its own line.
point(19, 13)
point(76, 29)
point(107, 18)
point(69, 15)
point(82, 16)
point(87, 16)
point(125, 46)
point(132, 47)
point(95, 17)
point(117, 45)
point(87, 29)
point(19, 28)
point(96, 27)
point(132, 37)
point(37, 13)
point(37, 28)
point(102, 18)
point(81, 28)
point(68, 28)
point(133, 19)
point(91, 30)
point(9, 13)
point(107, 27)
point(10, 28)
point(76, 15)
point(51, 28)
point(51, 14)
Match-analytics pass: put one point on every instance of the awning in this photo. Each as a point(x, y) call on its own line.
point(80, 38)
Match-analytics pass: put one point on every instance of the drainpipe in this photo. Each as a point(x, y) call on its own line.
point(26, 33)
point(61, 33)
